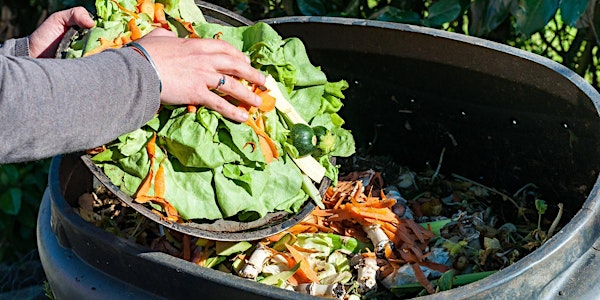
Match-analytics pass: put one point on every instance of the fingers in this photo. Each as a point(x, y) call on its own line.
point(229, 60)
point(217, 47)
point(242, 69)
point(224, 107)
point(203, 72)
point(77, 16)
point(45, 39)
point(230, 86)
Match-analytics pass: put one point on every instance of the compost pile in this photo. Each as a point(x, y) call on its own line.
point(419, 234)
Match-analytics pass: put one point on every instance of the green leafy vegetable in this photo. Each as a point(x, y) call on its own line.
point(213, 167)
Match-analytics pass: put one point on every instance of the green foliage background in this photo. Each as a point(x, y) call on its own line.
point(563, 30)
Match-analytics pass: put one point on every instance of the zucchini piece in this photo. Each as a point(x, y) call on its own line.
point(303, 138)
point(320, 131)
point(228, 248)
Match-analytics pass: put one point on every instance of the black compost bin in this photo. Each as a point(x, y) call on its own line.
point(504, 116)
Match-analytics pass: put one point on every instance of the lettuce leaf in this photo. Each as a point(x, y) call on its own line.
point(213, 167)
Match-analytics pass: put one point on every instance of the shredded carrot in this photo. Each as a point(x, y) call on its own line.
point(268, 101)
point(388, 251)
point(305, 268)
point(260, 123)
point(267, 145)
point(252, 110)
point(159, 181)
point(136, 32)
point(317, 227)
point(349, 209)
point(159, 185)
point(144, 188)
point(147, 7)
point(186, 247)
point(422, 278)
point(252, 144)
point(159, 15)
point(418, 230)
point(104, 44)
point(170, 211)
point(297, 278)
point(276, 237)
point(303, 228)
point(125, 39)
point(192, 108)
point(323, 212)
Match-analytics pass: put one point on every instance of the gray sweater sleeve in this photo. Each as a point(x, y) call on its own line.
point(54, 106)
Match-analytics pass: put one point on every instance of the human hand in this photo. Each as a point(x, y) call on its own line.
point(45, 39)
point(191, 68)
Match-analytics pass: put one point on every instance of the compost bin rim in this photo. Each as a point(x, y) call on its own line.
point(583, 219)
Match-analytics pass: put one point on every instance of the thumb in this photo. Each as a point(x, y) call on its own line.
point(76, 16)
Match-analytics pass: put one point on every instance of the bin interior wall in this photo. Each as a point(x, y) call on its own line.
point(504, 120)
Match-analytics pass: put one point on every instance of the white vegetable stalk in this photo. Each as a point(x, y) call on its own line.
point(255, 263)
point(377, 236)
point(335, 290)
point(367, 273)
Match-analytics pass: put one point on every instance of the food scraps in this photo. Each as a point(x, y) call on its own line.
point(191, 164)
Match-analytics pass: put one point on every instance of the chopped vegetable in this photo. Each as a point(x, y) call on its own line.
point(254, 265)
point(303, 138)
point(367, 272)
point(323, 254)
point(306, 272)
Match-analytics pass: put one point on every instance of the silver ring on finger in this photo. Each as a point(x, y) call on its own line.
point(220, 83)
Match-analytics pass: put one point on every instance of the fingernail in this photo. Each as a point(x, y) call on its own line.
point(257, 100)
point(243, 116)
point(248, 59)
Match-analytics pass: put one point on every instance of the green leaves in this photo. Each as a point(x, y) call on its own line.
point(344, 8)
point(530, 15)
point(487, 15)
point(541, 206)
point(21, 190)
point(312, 7)
point(533, 15)
point(442, 12)
point(394, 14)
point(570, 10)
point(10, 201)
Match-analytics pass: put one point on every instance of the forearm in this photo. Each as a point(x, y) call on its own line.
point(51, 106)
